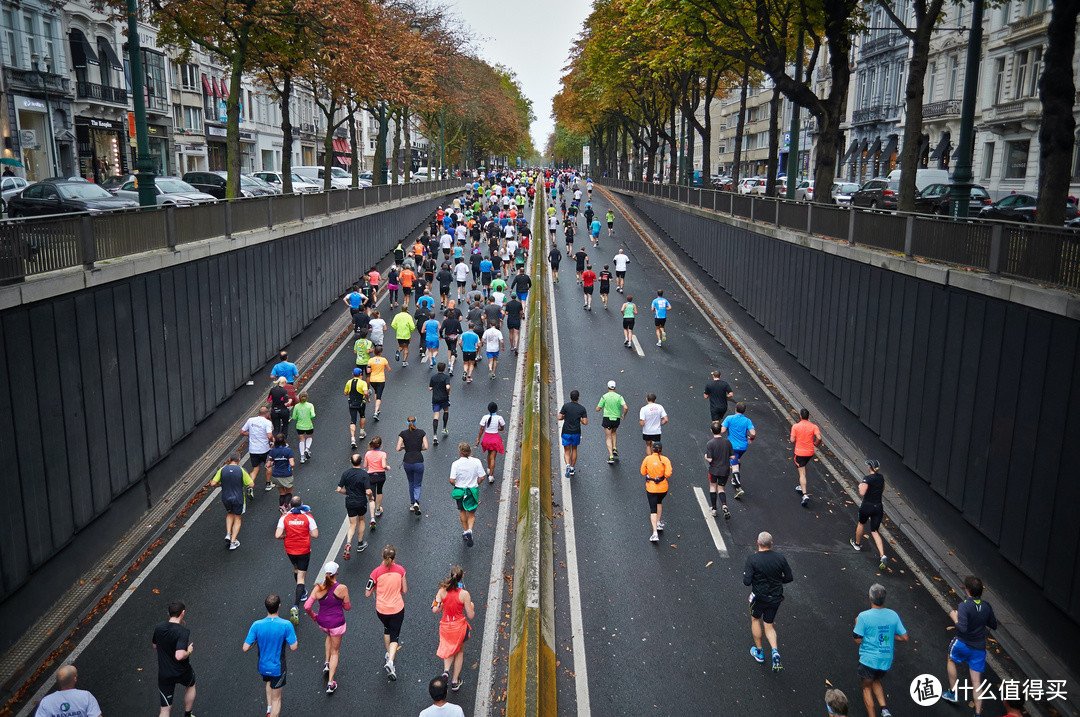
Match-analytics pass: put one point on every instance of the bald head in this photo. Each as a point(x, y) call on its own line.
point(65, 677)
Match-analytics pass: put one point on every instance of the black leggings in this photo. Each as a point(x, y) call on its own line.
point(392, 624)
point(655, 499)
point(377, 483)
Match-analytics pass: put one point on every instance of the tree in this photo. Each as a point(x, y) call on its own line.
point(1058, 129)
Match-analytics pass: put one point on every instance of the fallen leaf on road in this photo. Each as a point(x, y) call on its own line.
point(708, 563)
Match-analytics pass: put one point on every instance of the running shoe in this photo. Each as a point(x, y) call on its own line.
point(469, 380)
point(228, 537)
point(465, 537)
point(378, 512)
point(739, 493)
point(455, 686)
point(450, 372)
point(362, 434)
point(294, 615)
point(416, 508)
point(654, 538)
point(436, 440)
point(805, 500)
point(445, 431)
point(798, 488)
point(234, 545)
point(304, 597)
point(271, 487)
point(491, 478)
point(446, 676)
point(492, 376)
point(302, 458)
point(347, 554)
point(464, 377)
point(660, 526)
point(949, 696)
point(885, 712)
point(776, 664)
point(469, 539)
point(352, 443)
point(326, 668)
point(659, 343)
point(397, 355)
point(615, 452)
point(283, 508)
point(757, 654)
point(372, 524)
point(881, 563)
point(854, 544)
point(390, 671)
point(569, 471)
point(713, 510)
point(361, 546)
point(404, 363)
point(330, 686)
point(376, 416)
point(307, 454)
point(727, 513)
point(611, 460)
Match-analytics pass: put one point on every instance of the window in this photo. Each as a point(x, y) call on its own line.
point(1016, 158)
point(954, 76)
point(930, 82)
point(988, 160)
point(885, 96)
point(960, 14)
point(50, 47)
point(12, 47)
point(156, 88)
point(104, 67)
point(250, 106)
point(1076, 159)
point(178, 116)
point(31, 37)
point(193, 119)
point(189, 76)
point(999, 80)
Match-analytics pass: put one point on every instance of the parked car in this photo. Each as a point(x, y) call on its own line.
point(746, 186)
point(170, 191)
point(877, 193)
point(923, 177)
point(723, 183)
point(934, 199)
point(299, 184)
point(804, 191)
point(213, 183)
point(339, 178)
point(59, 195)
point(842, 191)
point(1021, 208)
point(115, 181)
point(9, 187)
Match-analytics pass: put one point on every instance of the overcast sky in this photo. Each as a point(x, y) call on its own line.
point(533, 39)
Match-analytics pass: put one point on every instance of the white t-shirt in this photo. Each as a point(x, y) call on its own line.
point(620, 261)
point(652, 414)
point(467, 472)
point(378, 326)
point(461, 232)
point(500, 298)
point(461, 271)
point(577, 194)
point(492, 422)
point(492, 340)
point(553, 222)
point(446, 241)
point(257, 429)
point(69, 703)
point(508, 232)
point(511, 247)
point(444, 710)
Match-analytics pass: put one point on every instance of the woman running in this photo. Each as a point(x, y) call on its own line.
point(303, 413)
point(377, 328)
point(375, 465)
point(629, 312)
point(456, 605)
point(414, 442)
point(489, 439)
point(333, 598)
point(280, 462)
point(388, 584)
point(657, 469)
point(279, 405)
point(393, 284)
point(465, 475)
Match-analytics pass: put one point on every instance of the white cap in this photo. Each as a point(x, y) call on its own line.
point(330, 568)
point(611, 385)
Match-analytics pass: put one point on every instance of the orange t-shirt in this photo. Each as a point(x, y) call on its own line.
point(375, 461)
point(803, 434)
point(407, 278)
point(656, 466)
point(418, 249)
point(388, 599)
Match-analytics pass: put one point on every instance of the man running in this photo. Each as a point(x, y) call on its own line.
point(740, 431)
point(357, 391)
point(580, 260)
point(588, 282)
point(377, 368)
point(613, 409)
point(260, 434)
point(871, 488)
point(553, 225)
point(568, 234)
point(356, 487)
point(234, 482)
point(431, 340)
point(520, 284)
point(172, 640)
point(451, 333)
point(297, 528)
point(554, 258)
point(573, 416)
point(718, 391)
point(968, 647)
point(470, 342)
point(610, 222)
point(876, 632)
point(271, 634)
point(805, 435)
point(660, 307)
point(765, 573)
point(620, 260)
point(605, 285)
point(493, 344)
point(651, 417)
point(285, 368)
point(439, 385)
point(514, 311)
point(403, 326)
point(594, 230)
point(718, 454)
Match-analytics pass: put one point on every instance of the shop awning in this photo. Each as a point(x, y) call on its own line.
point(864, 146)
point(345, 160)
point(209, 87)
point(890, 148)
point(110, 54)
point(341, 146)
point(849, 156)
point(941, 148)
point(223, 93)
point(82, 52)
point(875, 147)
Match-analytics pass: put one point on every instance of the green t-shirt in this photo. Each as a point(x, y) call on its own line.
point(611, 405)
point(498, 285)
point(628, 310)
point(403, 325)
point(610, 216)
point(363, 348)
point(302, 413)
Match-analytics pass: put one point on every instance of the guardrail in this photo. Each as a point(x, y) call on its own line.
point(35, 245)
point(1032, 252)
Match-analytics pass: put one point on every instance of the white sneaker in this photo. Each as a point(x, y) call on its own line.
point(234, 545)
point(660, 526)
point(654, 538)
point(659, 343)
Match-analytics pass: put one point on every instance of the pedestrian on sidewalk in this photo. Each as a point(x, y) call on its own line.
point(660, 307)
point(375, 464)
point(260, 434)
point(270, 635)
point(741, 432)
point(280, 463)
point(356, 488)
point(968, 647)
point(465, 475)
point(876, 632)
point(414, 442)
point(652, 417)
point(718, 392)
point(377, 368)
point(765, 573)
point(234, 482)
point(614, 409)
point(718, 454)
point(357, 392)
point(489, 440)
point(805, 435)
point(871, 488)
point(280, 405)
point(573, 416)
point(657, 469)
point(629, 314)
point(333, 599)
point(296, 528)
point(387, 582)
point(67, 701)
point(172, 641)
point(456, 606)
point(303, 413)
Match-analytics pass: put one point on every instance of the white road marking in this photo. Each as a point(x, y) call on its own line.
point(710, 521)
point(637, 346)
point(577, 625)
point(338, 539)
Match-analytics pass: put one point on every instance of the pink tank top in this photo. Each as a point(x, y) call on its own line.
point(452, 607)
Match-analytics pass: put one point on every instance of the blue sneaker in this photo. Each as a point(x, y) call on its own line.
point(757, 654)
point(949, 696)
point(776, 665)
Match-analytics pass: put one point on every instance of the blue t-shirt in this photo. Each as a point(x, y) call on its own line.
point(738, 427)
point(877, 627)
point(469, 341)
point(286, 369)
point(281, 456)
point(426, 301)
point(486, 266)
point(660, 305)
point(431, 330)
point(459, 252)
point(595, 227)
point(447, 221)
point(271, 634)
point(355, 299)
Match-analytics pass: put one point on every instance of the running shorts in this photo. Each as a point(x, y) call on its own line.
point(355, 413)
point(300, 562)
point(872, 513)
point(444, 289)
point(392, 624)
point(655, 499)
point(719, 480)
point(167, 686)
point(451, 347)
point(960, 653)
point(436, 407)
point(276, 681)
point(717, 414)
point(431, 344)
point(588, 290)
point(650, 436)
point(402, 343)
point(233, 507)
point(513, 324)
point(764, 611)
point(493, 354)
point(737, 458)
point(377, 480)
point(355, 509)
point(619, 274)
point(869, 673)
point(628, 323)
point(612, 423)
point(468, 355)
point(660, 322)
point(377, 387)
point(801, 461)
point(605, 287)
point(258, 459)
point(571, 439)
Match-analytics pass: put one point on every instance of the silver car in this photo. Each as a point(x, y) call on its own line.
point(299, 184)
point(9, 187)
point(842, 191)
point(170, 190)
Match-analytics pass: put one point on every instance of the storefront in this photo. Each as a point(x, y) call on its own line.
point(36, 149)
point(158, 136)
point(247, 151)
point(102, 148)
point(191, 158)
point(217, 156)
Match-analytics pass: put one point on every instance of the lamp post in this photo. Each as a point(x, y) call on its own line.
point(793, 135)
point(960, 191)
point(48, 108)
point(144, 163)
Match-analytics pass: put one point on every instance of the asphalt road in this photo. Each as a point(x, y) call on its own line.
point(666, 625)
point(224, 590)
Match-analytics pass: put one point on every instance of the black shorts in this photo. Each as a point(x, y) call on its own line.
point(660, 322)
point(588, 290)
point(234, 506)
point(468, 355)
point(650, 436)
point(801, 461)
point(377, 387)
point(402, 343)
point(764, 611)
point(305, 431)
point(355, 509)
point(513, 324)
point(612, 423)
point(717, 414)
point(610, 225)
point(167, 686)
point(869, 673)
point(605, 288)
point(258, 459)
point(355, 413)
point(655, 499)
point(377, 481)
point(872, 513)
point(485, 278)
point(300, 562)
point(392, 624)
point(406, 290)
point(620, 275)
point(444, 290)
point(628, 323)
point(276, 681)
point(719, 480)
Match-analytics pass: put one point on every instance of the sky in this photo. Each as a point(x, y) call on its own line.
point(531, 38)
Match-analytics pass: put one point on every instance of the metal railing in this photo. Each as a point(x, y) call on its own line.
point(92, 91)
point(35, 245)
point(1045, 254)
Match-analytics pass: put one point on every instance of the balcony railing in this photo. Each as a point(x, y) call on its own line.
point(1030, 21)
point(884, 42)
point(941, 109)
point(877, 113)
point(102, 93)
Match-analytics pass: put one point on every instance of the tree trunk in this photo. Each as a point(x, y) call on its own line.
point(395, 162)
point(328, 145)
point(706, 144)
point(232, 129)
point(407, 141)
point(674, 161)
point(913, 95)
point(1056, 134)
point(378, 171)
point(774, 145)
point(286, 134)
point(653, 147)
point(354, 165)
point(740, 125)
point(830, 112)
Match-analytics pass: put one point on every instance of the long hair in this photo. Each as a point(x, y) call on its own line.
point(328, 583)
point(455, 578)
point(412, 423)
point(389, 554)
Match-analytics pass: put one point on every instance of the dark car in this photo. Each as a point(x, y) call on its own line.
point(213, 183)
point(934, 199)
point(57, 196)
point(1021, 208)
point(877, 193)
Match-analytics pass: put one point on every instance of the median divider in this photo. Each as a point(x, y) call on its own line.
point(531, 673)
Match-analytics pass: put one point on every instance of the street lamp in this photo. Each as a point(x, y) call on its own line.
point(48, 107)
point(960, 191)
point(144, 163)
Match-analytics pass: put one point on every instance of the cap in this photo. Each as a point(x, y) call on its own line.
point(611, 384)
point(330, 568)
point(356, 372)
point(872, 464)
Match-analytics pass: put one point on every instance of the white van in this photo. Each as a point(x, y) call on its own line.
point(924, 177)
point(339, 178)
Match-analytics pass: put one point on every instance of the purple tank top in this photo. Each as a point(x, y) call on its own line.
point(331, 611)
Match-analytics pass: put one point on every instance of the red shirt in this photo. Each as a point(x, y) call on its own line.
point(588, 277)
point(803, 434)
point(373, 278)
point(298, 528)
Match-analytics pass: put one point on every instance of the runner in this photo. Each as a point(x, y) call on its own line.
point(465, 475)
point(456, 605)
point(234, 482)
point(280, 463)
point(805, 435)
point(876, 632)
point(356, 488)
point(399, 254)
point(718, 454)
point(172, 640)
point(451, 333)
point(651, 417)
point(487, 269)
point(573, 416)
point(554, 259)
point(431, 341)
point(302, 413)
point(580, 260)
point(372, 288)
point(284, 368)
point(493, 344)
point(408, 278)
point(594, 229)
point(354, 299)
point(414, 442)
point(972, 618)
point(629, 313)
point(260, 433)
point(388, 584)
point(271, 634)
point(588, 280)
point(470, 342)
point(297, 527)
point(489, 440)
point(280, 405)
point(718, 391)
point(375, 464)
point(521, 283)
point(358, 392)
point(553, 226)
point(611, 222)
point(446, 278)
point(377, 368)
point(461, 277)
point(660, 307)
point(657, 469)
point(67, 701)
point(614, 409)
point(403, 326)
point(514, 311)
point(740, 431)
point(765, 573)
point(568, 234)
point(871, 488)
point(605, 285)
point(333, 599)
point(620, 260)
point(439, 385)
point(377, 328)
